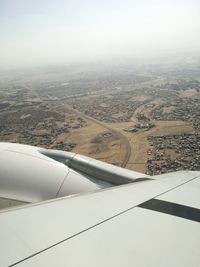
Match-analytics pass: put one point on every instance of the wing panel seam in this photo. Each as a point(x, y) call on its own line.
point(97, 224)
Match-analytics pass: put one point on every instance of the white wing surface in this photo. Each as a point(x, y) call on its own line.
point(150, 223)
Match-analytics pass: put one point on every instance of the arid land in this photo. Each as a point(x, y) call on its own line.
point(148, 122)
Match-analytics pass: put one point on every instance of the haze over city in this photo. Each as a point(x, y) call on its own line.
point(51, 32)
point(117, 81)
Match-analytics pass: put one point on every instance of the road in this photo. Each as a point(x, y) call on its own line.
point(116, 133)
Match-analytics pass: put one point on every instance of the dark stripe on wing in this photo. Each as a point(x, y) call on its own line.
point(174, 209)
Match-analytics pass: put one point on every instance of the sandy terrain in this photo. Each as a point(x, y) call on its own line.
point(139, 143)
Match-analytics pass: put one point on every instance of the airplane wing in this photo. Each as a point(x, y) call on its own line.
point(150, 223)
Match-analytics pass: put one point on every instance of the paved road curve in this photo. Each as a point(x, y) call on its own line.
point(116, 133)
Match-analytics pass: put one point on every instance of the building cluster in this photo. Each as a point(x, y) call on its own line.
point(38, 126)
point(140, 126)
point(181, 109)
point(63, 146)
point(179, 101)
point(114, 108)
point(173, 153)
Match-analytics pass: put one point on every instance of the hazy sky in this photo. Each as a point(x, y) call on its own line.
point(56, 31)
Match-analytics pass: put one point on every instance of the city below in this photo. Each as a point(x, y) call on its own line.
point(144, 118)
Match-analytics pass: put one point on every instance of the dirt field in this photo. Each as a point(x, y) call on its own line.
point(115, 150)
point(106, 148)
point(139, 143)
